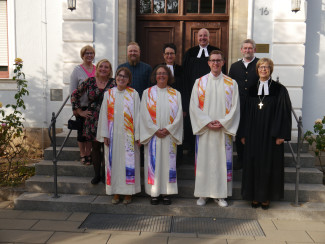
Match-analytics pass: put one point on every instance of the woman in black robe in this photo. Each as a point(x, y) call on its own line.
point(265, 125)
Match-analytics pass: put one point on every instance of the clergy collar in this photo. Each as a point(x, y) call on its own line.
point(216, 77)
point(263, 85)
point(205, 51)
point(204, 47)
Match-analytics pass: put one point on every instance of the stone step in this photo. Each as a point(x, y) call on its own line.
point(184, 172)
point(237, 209)
point(82, 186)
point(72, 142)
point(72, 154)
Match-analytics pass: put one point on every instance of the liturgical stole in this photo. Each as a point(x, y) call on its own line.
point(129, 133)
point(229, 88)
point(152, 108)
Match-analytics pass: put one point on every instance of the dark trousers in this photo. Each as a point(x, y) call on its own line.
point(240, 154)
point(97, 154)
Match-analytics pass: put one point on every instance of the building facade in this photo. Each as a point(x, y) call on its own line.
point(48, 37)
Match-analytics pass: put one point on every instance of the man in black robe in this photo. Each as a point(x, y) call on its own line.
point(195, 65)
point(265, 125)
point(244, 73)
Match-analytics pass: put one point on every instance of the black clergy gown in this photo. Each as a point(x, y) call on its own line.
point(263, 166)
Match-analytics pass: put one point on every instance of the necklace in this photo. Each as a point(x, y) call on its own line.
point(261, 100)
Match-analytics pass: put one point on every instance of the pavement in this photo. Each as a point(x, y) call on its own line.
point(22, 226)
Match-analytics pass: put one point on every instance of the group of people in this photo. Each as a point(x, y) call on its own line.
point(145, 107)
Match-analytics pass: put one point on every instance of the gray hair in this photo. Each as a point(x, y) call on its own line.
point(205, 30)
point(251, 41)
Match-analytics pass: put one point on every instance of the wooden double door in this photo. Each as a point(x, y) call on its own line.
point(179, 26)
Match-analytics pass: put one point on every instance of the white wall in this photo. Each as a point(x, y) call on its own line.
point(314, 78)
point(285, 32)
point(34, 35)
point(48, 37)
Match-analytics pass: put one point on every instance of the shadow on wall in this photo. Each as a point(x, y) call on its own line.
point(313, 90)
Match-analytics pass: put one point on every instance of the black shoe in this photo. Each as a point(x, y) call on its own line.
point(167, 201)
point(95, 180)
point(265, 205)
point(154, 201)
point(255, 204)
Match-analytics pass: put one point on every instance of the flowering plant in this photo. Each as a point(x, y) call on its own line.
point(11, 123)
point(317, 137)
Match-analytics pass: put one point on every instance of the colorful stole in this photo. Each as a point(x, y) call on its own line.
point(152, 108)
point(129, 133)
point(229, 86)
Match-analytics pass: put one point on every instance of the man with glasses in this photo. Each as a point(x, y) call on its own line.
point(141, 71)
point(214, 112)
point(244, 72)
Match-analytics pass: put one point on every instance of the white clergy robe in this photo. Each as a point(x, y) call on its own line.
point(118, 175)
point(211, 168)
point(147, 131)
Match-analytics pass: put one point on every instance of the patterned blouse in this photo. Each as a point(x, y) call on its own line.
point(95, 98)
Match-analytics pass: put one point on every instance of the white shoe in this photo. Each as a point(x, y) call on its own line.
point(201, 201)
point(221, 202)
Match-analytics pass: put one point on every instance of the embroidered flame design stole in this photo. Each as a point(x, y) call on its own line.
point(173, 109)
point(128, 112)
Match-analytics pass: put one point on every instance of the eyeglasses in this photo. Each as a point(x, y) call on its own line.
point(264, 67)
point(123, 76)
point(217, 61)
point(89, 53)
point(169, 54)
point(162, 73)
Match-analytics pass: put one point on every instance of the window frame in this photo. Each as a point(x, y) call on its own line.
point(5, 74)
point(182, 10)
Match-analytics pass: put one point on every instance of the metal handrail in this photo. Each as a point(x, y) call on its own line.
point(296, 158)
point(53, 141)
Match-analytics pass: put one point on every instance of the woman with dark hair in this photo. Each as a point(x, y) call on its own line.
point(118, 128)
point(265, 125)
point(169, 54)
point(94, 87)
point(161, 129)
point(80, 73)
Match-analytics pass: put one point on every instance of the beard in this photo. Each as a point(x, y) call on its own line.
point(249, 56)
point(133, 62)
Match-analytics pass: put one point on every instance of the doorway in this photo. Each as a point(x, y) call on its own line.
point(178, 21)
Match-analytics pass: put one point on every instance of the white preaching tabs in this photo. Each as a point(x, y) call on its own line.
point(171, 67)
point(266, 88)
point(205, 52)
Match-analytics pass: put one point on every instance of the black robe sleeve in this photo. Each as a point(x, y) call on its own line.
point(282, 124)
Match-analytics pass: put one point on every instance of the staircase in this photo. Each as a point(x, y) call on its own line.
point(78, 194)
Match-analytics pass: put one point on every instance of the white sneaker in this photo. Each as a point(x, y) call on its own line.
point(221, 202)
point(201, 201)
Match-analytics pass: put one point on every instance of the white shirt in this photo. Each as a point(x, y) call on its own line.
point(205, 51)
point(247, 63)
